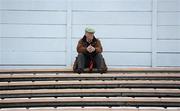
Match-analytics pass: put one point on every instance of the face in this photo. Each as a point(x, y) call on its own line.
point(89, 36)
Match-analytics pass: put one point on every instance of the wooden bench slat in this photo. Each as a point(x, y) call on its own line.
point(87, 75)
point(88, 82)
point(69, 70)
point(119, 90)
point(64, 77)
point(90, 75)
point(91, 109)
point(95, 101)
point(91, 99)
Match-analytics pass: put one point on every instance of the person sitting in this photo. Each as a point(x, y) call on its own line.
point(89, 50)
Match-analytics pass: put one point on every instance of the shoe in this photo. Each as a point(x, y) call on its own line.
point(100, 71)
point(79, 71)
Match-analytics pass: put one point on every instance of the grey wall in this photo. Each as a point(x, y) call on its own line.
point(134, 33)
point(168, 33)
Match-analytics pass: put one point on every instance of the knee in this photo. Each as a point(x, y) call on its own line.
point(80, 54)
point(99, 55)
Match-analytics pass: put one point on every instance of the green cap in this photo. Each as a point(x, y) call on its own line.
point(90, 30)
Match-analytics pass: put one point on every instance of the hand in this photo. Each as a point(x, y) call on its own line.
point(90, 49)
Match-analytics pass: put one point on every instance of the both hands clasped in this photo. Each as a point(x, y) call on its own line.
point(90, 49)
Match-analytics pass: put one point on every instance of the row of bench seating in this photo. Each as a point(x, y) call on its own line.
point(123, 90)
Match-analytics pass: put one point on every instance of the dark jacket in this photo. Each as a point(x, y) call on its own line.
point(83, 44)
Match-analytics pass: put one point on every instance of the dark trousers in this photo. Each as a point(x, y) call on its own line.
point(83, 60)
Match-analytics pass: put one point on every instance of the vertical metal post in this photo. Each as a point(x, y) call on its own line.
point(68, 34)
point(154, 32)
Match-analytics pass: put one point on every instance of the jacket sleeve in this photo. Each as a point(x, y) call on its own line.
point(80, 48)
point(98, 47)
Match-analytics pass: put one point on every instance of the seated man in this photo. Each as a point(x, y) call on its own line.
point(89, 53)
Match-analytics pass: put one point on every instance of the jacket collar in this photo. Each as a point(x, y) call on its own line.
point(84, 39)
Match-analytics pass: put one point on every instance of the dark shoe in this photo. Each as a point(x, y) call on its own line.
point(100, 71)
point(79, 71)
